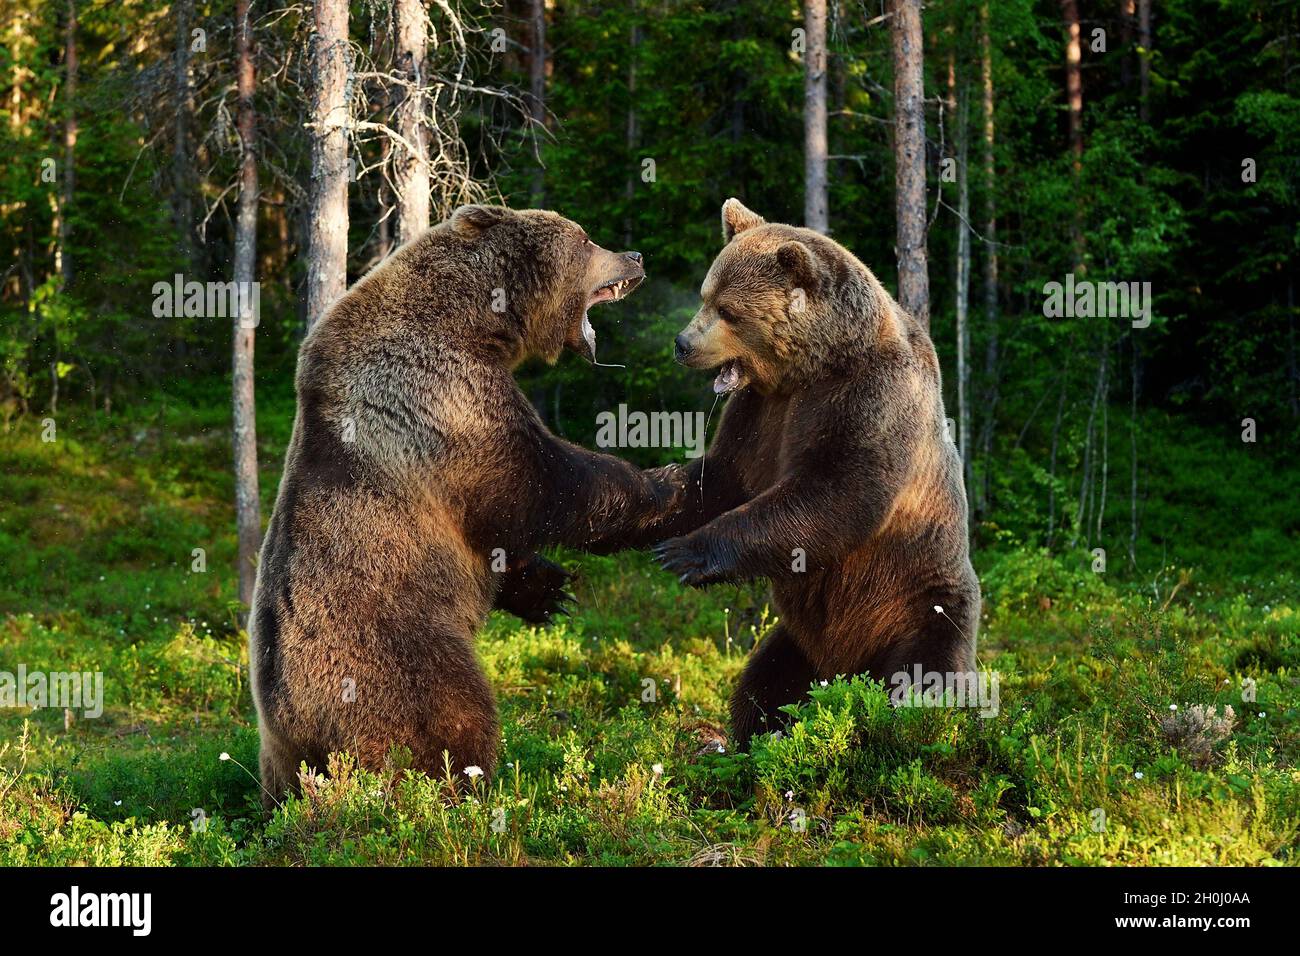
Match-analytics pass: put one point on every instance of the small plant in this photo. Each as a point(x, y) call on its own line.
point(1197, 730)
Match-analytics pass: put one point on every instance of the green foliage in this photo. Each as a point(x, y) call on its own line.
point(1075, 766)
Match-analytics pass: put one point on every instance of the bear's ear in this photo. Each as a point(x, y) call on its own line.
point(471, 220)
point(799, 264)
point(736, 218)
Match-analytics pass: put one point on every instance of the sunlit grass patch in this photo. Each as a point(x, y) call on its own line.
point(614, 721)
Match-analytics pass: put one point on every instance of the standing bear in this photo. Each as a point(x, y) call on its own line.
point(419, 484)
point(831, 473)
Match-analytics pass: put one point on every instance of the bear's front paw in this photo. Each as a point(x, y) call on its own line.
point(557, 600)
point(696, 561)
point(552, 591)
point(670, 483)
point(537, 591)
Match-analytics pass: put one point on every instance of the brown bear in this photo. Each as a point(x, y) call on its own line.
point(418, 485)
point(831, 473)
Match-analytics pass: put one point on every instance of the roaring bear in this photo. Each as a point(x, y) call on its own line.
point(419, 484)
point(831, 473)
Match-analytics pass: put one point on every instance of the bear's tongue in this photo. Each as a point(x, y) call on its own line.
point(728, 378)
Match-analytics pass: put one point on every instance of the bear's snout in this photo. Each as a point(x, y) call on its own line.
point(682, 347)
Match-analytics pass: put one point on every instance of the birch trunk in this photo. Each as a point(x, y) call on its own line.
point(1074, 100)
point(909, 160)
point(815, 207)
point(537, 90)
point(412, 166)
point(991, 369)
point(182, 173)
point(248, 519)
point(64, 228)
point(963, 296)
point(327, 223)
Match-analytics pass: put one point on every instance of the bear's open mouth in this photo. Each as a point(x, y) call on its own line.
point(611, 291)
point(730, 377)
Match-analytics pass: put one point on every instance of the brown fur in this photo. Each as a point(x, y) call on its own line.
point(834, 443)
point(414, 457)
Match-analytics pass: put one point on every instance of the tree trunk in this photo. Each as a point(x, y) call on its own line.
point(537, 91)
point(66, 270)
point(1083, 514)
point(327, 236)
point(963, 294)
point(815, 205)
point(1074, 98)
point(1133, 449)
point(182, 175)
point(381, 101)
point(1074, 78)
point(633, 132)
point(384, 225)
point(21, 284)
point(412, 167)
point(283, 247)
point(1144, 59)
point(1293, 368)
point(909, 158)
point(1056, 444)
point(248, 519)
point(54, 375)
point(1126, 15)
point(739, 30)
point(991, 370)
point(17, 42)
point(1105, 451)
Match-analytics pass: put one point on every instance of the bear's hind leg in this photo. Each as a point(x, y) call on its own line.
point(278, 763)
point(461, 719)
point(778, 673)
point(940, 646)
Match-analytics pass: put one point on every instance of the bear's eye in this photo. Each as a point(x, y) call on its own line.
point(725, 316)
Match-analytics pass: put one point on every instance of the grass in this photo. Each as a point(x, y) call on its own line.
point(1098, 754)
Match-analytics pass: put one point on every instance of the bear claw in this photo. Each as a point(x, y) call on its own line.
point(691, 562)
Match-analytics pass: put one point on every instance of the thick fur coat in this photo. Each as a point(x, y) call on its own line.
point(418, 486)
point(831, 473)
